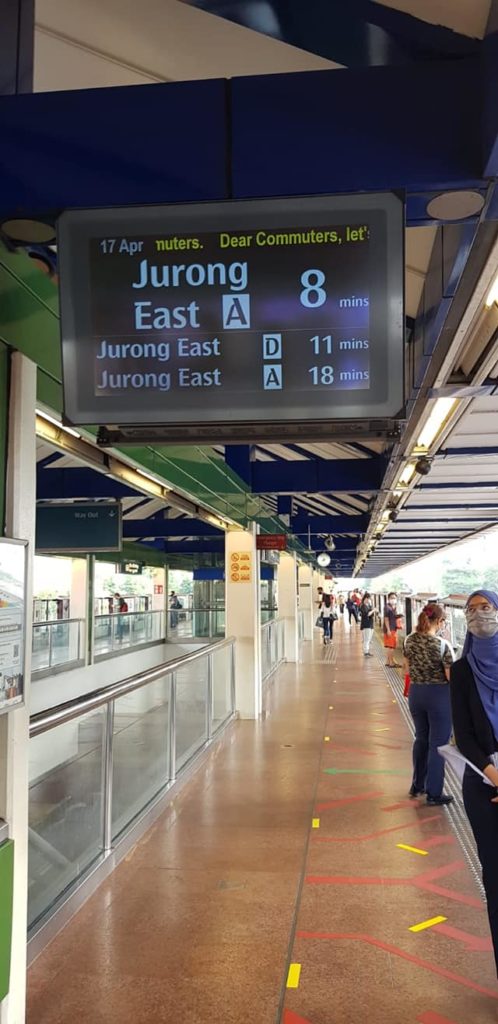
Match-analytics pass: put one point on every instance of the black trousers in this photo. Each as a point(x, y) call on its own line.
point(483, 817)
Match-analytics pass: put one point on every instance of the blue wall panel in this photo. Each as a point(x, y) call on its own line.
point(122, 146)
point(347, 131)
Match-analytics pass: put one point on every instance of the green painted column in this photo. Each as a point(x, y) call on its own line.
point(6, 891)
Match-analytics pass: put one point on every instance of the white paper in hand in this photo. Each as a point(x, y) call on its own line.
point(458, 762)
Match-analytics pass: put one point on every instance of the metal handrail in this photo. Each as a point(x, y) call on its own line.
point(54, 622)
point(271, 622)
point(129, 615)
point(71, 709)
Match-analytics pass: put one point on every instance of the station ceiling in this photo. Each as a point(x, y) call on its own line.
point(86, 43)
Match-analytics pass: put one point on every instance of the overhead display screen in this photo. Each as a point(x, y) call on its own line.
point(247, 312)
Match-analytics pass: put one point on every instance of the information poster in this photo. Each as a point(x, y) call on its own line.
point(253, 312)
point(12, 622)
point(240, 567)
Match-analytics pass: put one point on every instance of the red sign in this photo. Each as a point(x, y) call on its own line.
point(158, 588)
point(271, 542)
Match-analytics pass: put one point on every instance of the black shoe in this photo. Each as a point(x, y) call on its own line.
point(439, 801)
point(413, 792)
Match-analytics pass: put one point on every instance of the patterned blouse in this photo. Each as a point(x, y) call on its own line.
point(427, 656)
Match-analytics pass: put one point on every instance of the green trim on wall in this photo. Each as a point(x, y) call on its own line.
point(4, 419)
point(6, 897)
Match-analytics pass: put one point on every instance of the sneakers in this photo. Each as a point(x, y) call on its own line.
point(439, 801)
point(413, 792)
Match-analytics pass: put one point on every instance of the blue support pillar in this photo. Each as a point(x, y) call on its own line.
point(239, 457)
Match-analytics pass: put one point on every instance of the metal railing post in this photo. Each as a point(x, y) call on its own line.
point(50, 646)
point(108, 775)
point(209, 699)
point(232, 676)
point(172, 727)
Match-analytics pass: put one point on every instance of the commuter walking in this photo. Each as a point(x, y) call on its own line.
point(325, 611)
point(428, 659)
point(390, 629)
point(352, 609)
point(367, 623)
point(122, 611)
point(341, 603)
point(474, 699)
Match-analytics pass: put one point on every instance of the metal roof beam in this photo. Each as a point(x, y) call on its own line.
point(60, 484)
point(318, 476)
point(157, 527)
point(335, 525)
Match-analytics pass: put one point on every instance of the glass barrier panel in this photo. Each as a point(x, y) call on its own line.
point(55, 643)
point(221, 686)
point(65, 807)
point(131, 629)
point(191, 710)
point(141, 750)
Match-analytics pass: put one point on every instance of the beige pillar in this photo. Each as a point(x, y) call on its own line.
point(243, 619)
point(14, 726)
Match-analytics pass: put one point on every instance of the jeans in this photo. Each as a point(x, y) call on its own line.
point(367, 640)
point(328, 628)
point(431, 712)
point(483, 817)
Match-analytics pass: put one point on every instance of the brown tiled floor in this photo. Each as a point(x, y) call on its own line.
point(200, 923)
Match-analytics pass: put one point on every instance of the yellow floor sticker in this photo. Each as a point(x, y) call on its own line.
point(294, 976)
point(326, 739)
point(315, 823)
point(412, 849)
point(427, 924)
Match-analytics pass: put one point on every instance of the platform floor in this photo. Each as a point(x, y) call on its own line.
point(281, 887)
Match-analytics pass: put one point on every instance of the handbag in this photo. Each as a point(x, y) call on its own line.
point(334, 616)
point(319, 621)
point(407, 685)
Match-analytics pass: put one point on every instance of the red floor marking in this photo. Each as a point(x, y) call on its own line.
point(402, 804)
point(293, 1018)
point(437, 840)
point(369, 940)
point(349, 800)
point(381, 832)
point(473, 943)
point(423, 881)
point(433, 1018)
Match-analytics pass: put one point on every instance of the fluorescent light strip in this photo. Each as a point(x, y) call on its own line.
point(407, 474)
point(492, 296)
point(440, 413)
point(57, 423)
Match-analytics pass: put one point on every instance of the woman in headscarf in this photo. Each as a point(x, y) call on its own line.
point(474, 698)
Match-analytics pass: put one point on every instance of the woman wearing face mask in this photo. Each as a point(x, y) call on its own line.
point(474, 699)
point(427, 660)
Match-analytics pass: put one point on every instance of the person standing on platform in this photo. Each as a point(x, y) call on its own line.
point(341, 603)
point(325, 610)
point(390, 629)
point(428, 659)
point(367, 623)
point(474, 699)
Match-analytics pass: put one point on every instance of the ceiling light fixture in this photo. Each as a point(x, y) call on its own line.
point(436, 421)
point(456, 205)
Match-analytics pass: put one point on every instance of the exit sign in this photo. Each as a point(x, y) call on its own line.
point(79, 527)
